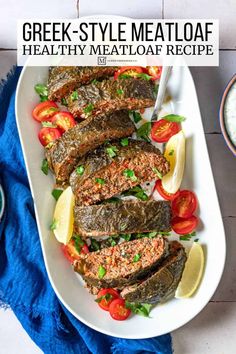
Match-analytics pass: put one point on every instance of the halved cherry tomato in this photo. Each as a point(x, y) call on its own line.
point(118, 311)
point(163, 130)
point(47, 135)
point(185, 204)
point(154, 72)
point(184, 226)
point(63, 120)
point(44, 111)
point(128, 70)
point(71, 253)
point(106, 296)
point(164, 194)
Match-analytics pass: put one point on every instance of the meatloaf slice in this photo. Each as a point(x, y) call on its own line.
point(122, 264)
point(65, 152)
point(162, 284)
point(123, 217)
point(106, 174)
point(62, 80)
point(111, 95)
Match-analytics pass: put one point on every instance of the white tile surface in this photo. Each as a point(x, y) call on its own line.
point(224, 10)
point(12, 10)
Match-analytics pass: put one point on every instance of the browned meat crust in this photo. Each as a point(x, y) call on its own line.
point(111, 95)
point(63, 80)
point(141, 158)
point(119, 262)
point(65, 152)
point(122, 217)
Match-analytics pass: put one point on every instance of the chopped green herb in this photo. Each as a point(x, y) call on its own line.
point(124, 142)
point(64, 102)
point(101, 272)
point(119, 92)
point(130, 174)
point(163, 233)
point(80, 170)
point(124, 76)
point(94, 82)
point(95, 246)
point(144, 76)
point(53, 225)
point(187, 237)
point(112, 241)
point(56, 193)
point(139, 309)
point(48, 124)
point(111, 151)
point(144, 131)
point(100, 180)
point(126, 237)
point(158, 173)
point(42, 91)
point(174, 118)
point(196, 240)
point(79, 243)
point(137, 257)
point(112, 200)
point(171, 153)
point(74, 96)
point(146, 234)
point(106, 297)
point(137, 192)
point(44, 167)
point(136, 116)
point(152, 234)
point(88, 109)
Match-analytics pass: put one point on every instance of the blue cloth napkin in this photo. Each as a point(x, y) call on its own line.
point(24, 285)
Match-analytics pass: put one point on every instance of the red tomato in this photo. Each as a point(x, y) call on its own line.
point(154, 71)
point(63, 120)
point(47, 135)
point(185, 204)
point(184, 226)
point(71, 253)
point(105, 303)
point(44, 111)
point(85, 249)
point(163, 193)
point(118, 311)
point(128, 70)
point(163, 130)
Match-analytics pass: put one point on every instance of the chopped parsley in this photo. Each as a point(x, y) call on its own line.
point(95, 245)
point(44, 167)
point(42, 91)
point(136, 257)
point(95, 81)
point(144, 76)
point(80, 170)
point(78, 242)
point(112, 200)
point(119, 91)
point(112, 241)
point(88, 109)
point(164, 233)
point(53, 225)
point(144, 131)
point(158, 173)
point(111, 151)
point(56, 193)
point(101, 272)
point(187, 237)
point(100, 181)
point(126, 237)
point(174, 118)
point(130, 174)
point(136, 116)
point(124, 142)
point(64, 101)
point(139, 309)
point(171, 153)
point(106, 297)
point(74, 96)
point(137, 192)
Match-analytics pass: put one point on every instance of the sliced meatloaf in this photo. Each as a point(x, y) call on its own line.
point(122, 264)
point(65, 152)
point(111, 95)
point(122, 217)
point(106, 174)
point(163, 282)
point(62, 80)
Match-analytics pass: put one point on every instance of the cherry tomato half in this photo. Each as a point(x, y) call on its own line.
point(164, 194)
point(185, 204)
point(154, 72)
point(132, 71)
point(118, 311)
point(184, 226)
point(47, 135)
point(44, 111)
point(70, 251)
point(163, 130)
point(106, 297)
point(63, 120)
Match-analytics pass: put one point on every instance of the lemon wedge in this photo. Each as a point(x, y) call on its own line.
point(175, 154)
point(63, 219)
point(192, 273)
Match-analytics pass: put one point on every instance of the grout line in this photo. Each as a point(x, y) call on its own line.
point(162, 10)
point(7, 49)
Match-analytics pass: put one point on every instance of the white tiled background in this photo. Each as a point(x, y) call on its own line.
point(213, 330)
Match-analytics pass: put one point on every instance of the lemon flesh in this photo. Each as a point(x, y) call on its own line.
point(64, 216)
point(175, 154)
point(192, 273)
